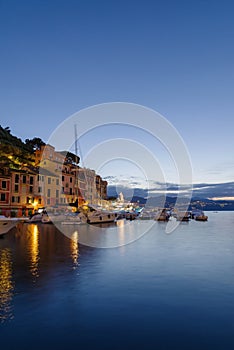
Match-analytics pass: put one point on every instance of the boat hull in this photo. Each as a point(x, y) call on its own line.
point(101, 218)
point(7, 224)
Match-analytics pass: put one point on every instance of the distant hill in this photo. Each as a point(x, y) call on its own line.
point(201, 190)
point(202, 197)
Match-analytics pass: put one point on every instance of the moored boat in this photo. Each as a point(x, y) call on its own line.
point(6, 224)
point(201, 217)
point(162, 215)
point(35, 218)
point(98, 217)
point(183, 216)
point(95, 215)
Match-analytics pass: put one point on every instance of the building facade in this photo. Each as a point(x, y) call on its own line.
point(55, 181)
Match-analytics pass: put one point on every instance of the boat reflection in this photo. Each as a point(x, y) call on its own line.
point(6, 285)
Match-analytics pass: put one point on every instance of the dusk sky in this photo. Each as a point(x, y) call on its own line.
point(175, 57)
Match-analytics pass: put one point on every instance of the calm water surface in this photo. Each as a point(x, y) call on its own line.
point(159, 292)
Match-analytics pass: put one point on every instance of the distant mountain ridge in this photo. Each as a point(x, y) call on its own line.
point(206, 196)
point(202, 190)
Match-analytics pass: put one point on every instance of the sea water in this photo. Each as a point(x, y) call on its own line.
point(128, 285)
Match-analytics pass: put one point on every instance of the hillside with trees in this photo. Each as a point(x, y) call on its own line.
point(14, 153)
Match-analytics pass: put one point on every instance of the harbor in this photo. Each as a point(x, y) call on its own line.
point(56, 290)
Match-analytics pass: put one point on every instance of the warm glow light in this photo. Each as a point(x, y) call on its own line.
point(33, 248)
point(6, 285)
point(74, 248)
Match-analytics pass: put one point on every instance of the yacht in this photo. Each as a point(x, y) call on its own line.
point(97, 216)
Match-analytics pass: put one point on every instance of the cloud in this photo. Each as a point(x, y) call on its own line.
point(151, 188)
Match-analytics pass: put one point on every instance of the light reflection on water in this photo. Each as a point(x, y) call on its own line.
point(175, 289)
point(33, 249)
point(74, 248)
point(6, 285)
point(108, 235)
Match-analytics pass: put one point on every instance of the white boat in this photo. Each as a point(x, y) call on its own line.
point(46, 219)
point(6, 224)
point(35, 218)
point(97, 216)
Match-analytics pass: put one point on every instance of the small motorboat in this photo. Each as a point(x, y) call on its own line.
point(183, 216)
point(201, 217)
point(198, 215)
point(34, 218)
point(162, 215)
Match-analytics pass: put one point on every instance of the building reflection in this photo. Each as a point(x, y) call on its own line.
point(33, 249)
point(74, 248)
point(6, 285)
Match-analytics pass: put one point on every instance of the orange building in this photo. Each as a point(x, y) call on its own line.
point(5, 192)
point(55, 181)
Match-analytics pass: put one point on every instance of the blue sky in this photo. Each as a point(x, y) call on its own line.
point(176, 57)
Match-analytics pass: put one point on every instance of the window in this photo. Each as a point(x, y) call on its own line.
point(15, 199)
point(24, 179)
point(3, 197)
point(31, 189)
point(4, 184)
point(16, 188)
point(31, 180)
point(39, 189)
point(70, 190)
point(48, 192)
point(48, 201)
point(70, 179)
point(39, 200)
point(49, 180)
point(57, 182)
point(62, 178)
point(17, 178)
point(57, 193)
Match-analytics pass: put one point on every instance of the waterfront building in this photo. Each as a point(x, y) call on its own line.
point(5, 191)
point(78, 185)
point(54, 181)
